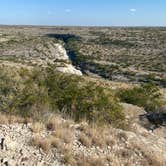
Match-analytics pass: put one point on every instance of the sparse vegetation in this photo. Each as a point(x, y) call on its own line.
point(89, 161)
point(147, 96)
point(37, 127)
point(85, 140)
point(82, 120)
point(43, 143)
point(44, 90)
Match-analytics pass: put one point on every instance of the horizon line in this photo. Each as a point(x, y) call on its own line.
point(104, 26)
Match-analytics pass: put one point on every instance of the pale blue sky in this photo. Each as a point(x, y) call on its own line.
point(84, 12)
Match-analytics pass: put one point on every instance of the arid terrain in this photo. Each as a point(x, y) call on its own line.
point(74, 95)
point(119, 54)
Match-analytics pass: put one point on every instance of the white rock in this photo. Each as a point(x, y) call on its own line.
point(69, 69)
point(12, 162)
point(61, 54)
point(11, 145)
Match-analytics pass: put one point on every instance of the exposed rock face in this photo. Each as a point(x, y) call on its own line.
point(68, 68)
point(61, 54)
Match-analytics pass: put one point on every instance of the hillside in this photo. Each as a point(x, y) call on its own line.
point(74, 96)
point(62, 142)
point(118, 54)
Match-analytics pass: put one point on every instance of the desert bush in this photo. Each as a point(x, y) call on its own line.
point(32, 101)
point(146, 95)
point(8, 89)
point(20, 93)
point(43, 90)
point(72, 96)
point(30, 97)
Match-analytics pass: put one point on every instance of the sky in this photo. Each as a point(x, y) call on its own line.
point(83, 12)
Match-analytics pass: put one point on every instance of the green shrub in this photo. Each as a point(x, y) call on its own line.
point(46, 90)
point(147, 96)
point(8, 89)
point(74, 97)
point(32, 100)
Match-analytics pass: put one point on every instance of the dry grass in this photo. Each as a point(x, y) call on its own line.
point(53, 123)
point(85, 140)
point(43, 143)
point(56, 142)
point(62, 135)
point(47, 143)
point(11, 119)
point(151, 157)
point(36, 141)
point(15, 119)
point(62, 129)
point(4, 119)
point(122, 136)
point(96, 161)
point(69, 158)
point(96, 136)
point(37, 127)
point(65, 134)
point(90, 161)
point(112, 158)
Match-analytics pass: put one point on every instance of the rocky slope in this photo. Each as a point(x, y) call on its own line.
point(34, 51)
point(118, 147)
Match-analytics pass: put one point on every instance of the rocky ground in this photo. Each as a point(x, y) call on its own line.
point(19, 144)
point(17, 150)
